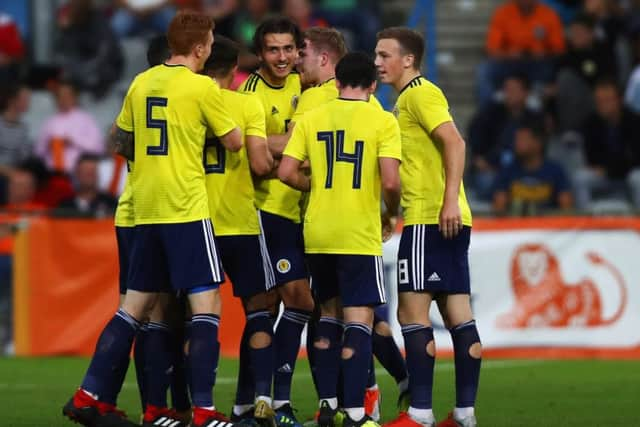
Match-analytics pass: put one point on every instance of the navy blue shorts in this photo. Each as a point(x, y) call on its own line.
point(357, 279)
point(427, 262)
point(285, 247)
point(243, 258)
point(124, 238)
point(181, 256)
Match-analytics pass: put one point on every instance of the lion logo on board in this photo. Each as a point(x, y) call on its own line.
point(544, 299)
point(283, 265)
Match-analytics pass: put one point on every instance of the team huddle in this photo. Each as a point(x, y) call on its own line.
point(287, 187)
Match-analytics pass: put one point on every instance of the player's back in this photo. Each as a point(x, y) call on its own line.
point(279, 103)
point(169, 108)
point(421, 107)
point(344, 139)
point(228, 174)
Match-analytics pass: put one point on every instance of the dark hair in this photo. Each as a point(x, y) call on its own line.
point(87, 157)
point(411, 42)
point(224, 56)
point(521, 77)
point(186, 30)
point(158, 50)
point(328, 39)
point(585, 20)
point(605, 82)
point(276, 25)
point(535, 127)
point(8, 92)
point(356, 69)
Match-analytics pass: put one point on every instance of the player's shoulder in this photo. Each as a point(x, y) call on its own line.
point(421, 91)
point(250, 84)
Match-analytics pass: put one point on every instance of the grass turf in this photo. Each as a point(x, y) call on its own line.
point(512, 392)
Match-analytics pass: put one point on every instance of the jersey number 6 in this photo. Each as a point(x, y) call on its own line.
point(336, 144)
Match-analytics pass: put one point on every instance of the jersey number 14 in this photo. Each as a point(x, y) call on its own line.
point(334, 143)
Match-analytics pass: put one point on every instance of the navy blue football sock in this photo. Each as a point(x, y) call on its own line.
point(204, 351)
point(327, 360)
point(388, 354)
point(371, 378)
point(287, 344)
point(245, 389)
point(179, 390)
point(467, 366)
point(261, 358)
point(355, 367)
point(119, 374)
point(419, 364)
point(112, 352)
point(139, 350)
point(158, 362)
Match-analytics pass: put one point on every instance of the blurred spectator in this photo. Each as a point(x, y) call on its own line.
point(610, 136)
point(51, 187)
point(248, 18)
point(15, 144)
point(525, 37)
point(301, 12)
point(361, 19)
point(224, 13)
point(87, 50)
point(68, 133)
point(566, 9)
point(632, 93)
point(492, 132)
point(11, 48)
point(135, 16)
point(88, 199)
point(531, 184)
point(585, 62)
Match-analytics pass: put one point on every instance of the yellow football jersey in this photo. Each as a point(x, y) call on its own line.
point(343, 140)
point(124, 216)
point(169, 109)
point(315, 96)
point(228, 174)
point(278, 102)
point(421, 107)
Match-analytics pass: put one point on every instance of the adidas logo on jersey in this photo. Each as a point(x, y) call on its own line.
point(434, 277)
point(274, 110)
point(285, 369)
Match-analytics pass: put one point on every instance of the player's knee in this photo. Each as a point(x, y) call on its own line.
point(475, 350)
point(322, 343)
point(298, 297)
point(431, 348)
point(260, 340)
point(382, 328)
point(347, 353)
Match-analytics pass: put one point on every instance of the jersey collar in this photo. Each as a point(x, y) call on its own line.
point(412, 83)
point(269, 84)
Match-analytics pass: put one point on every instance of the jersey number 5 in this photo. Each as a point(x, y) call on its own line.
point(335, 143)
point(163, 148)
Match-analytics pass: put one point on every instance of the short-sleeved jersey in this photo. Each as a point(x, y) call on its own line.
point(279, 103)
point(343, 140)
point(170, 108)
point(228, 174)
point(421, 107)
point(124, 216)
point(319, 95)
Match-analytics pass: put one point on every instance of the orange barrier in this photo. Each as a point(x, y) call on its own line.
point(66, 289)
point(66, 286)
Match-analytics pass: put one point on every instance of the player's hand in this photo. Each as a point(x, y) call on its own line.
point(388, 226)
point(450, 219)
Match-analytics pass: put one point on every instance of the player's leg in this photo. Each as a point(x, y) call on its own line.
point(195, 268)
point(327, 339)
point(455, 307)
point(388, 354)
point(361, 282)
point(413, 315)
point(114, 344)
point(178, 312)
point(298, 307)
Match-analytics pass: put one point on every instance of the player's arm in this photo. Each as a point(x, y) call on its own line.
point(295, 154)
point(290, 173)
point(218, 120)
point(232, 140)
point(390, 180)
point(453, 158)
point(122, 142)
point(260, 158)
point(278, 142)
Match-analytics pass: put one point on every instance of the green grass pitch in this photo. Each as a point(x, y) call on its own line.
point(512, 393)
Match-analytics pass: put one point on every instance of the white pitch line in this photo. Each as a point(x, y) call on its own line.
point(440, 366)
